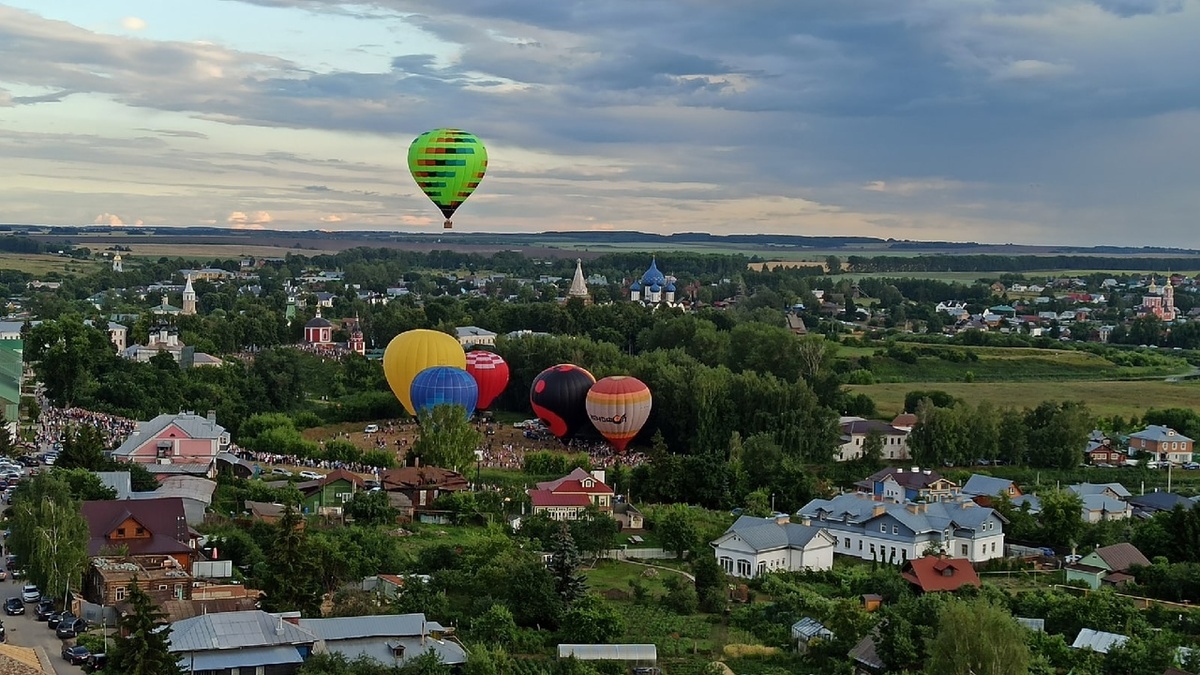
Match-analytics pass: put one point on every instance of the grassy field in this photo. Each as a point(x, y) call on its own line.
point(211, 251)
point(1103, 397)
point(41, 265)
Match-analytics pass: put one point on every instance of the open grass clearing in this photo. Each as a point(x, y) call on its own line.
point(40, 265)
point(1103, 397)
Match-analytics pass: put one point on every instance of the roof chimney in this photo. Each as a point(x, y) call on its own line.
point(916, 469)
point(212, 416)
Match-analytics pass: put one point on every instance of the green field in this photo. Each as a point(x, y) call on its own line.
point(1103, 397)
point(41, 265)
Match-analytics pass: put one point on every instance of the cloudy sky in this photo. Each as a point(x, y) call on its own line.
point(1029, 121)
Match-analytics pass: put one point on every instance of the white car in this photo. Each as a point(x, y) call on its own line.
point(371, 429)
point(311, 475)
point(31, 593)
point(281, 472)
point(1073, 558)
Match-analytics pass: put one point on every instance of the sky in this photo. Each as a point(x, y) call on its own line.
point(1023, 121)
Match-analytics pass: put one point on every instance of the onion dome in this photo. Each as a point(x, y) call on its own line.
point(653, 277)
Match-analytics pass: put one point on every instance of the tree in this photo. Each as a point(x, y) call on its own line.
point(291, 583)
point(496, 626)
point(371, 508)
point(1060, 519)
point(677, 529)
point(145, 650)
point(564, 566)
point(872, 451)
point(49, 533)
point(710, 583)
point(591, 620)
point(85, 485)
point(83, 448)
point(447, 438)
point(7, 447)
point(594, 531)
point(976, 636)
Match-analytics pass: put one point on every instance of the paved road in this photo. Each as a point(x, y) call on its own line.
point(24, 631)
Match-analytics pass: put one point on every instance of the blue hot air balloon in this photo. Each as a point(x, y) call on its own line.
point(444, 384)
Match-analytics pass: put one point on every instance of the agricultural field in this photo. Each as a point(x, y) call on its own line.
point(1103, 397)
point(42, 265)
point(912, 362)
point(214, 251)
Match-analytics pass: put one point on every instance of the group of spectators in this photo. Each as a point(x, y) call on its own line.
point(270, 458)
point(53, 424)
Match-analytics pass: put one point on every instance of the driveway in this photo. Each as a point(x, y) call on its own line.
point(24, 631)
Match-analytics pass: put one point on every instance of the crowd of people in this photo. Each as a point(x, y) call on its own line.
point(273, 459)
point(53, 424)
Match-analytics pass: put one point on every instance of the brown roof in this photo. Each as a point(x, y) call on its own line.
point(19, 661)
point(417, 477)
point(865, 653)
point(939, 573)
point(352, 478)
point(1120, 557)
point(163, 518)
point(906, 477)
point(177, 610)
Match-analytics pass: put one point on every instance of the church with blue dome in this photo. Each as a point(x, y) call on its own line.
point(654, 288)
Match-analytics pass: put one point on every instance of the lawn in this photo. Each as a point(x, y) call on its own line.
point(1103, 397)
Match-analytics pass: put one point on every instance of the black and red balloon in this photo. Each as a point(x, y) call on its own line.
point(490, 373)
point(559, 398)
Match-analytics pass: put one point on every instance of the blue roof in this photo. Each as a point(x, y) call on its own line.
point(979, 484)
point(935, 516)
point(635, 286)
point(239, 658)
point(1034, 502)
point(653, 277)
point(764, 534)
point(670, 288)
point(1157, 432)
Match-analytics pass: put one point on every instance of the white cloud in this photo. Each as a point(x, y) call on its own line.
point(252, 220)
point(331, 218)
point(139, 222)
point(907, 187)
point(133, 23)
point(108, 219)
point(1028, 69)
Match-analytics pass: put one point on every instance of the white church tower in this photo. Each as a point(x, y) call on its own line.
point(189, 298)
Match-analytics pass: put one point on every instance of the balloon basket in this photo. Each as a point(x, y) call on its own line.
point(447, 225)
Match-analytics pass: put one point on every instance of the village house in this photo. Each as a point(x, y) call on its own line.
point(422, 484)
point(1107, 565)
point(1163, 444)
point(393, 639)
point(754, 546)
point(184, 443)
point(982, 489)
point(871, 528)
point(328, 494)
point(1102, 501)
point(897, 484)
point(567, 498)
point(474, 336)
point(110, 579)
point(937, 573)
point(141, 528)
point(856, 430)
point(252, 641)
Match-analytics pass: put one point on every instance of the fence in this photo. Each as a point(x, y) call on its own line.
point(97, 615)
point(638, 554)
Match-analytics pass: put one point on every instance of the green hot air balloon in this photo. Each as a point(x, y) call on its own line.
point(447, 165)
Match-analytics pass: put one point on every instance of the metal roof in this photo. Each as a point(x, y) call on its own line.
point(381, 649)
point(383, 625)
point(1084, 489)
point(809, 628)
point(242, 658)
point(609, 652)
point(1098, 641)
point(764, 534)
point(235, 630)
point(195, 426)
point(979, 484)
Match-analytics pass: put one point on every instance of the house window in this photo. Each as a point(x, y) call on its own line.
point(743, 567)
point(895, 530)
point(119, 593)
point(162, 587)
point(140, 531)
point(860, 544)
point(882, 528)
point(120, 532)
point(964, 550)
point(727, 565)
point(993, 547)
point(762, 568)
point(847, 544)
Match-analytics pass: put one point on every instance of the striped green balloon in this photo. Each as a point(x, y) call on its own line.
point(447, 165)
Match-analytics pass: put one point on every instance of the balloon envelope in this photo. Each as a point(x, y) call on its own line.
point(490, 373)
point(559, 398)
point(413, 351)
point(447, 165)
point(444, 384)
point(618, 407)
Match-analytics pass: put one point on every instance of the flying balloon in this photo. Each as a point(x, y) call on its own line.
point(447, 165)
point(618, 407)
point(490, 373)
point(559, 397)
point(444, 384)
point(413, 351)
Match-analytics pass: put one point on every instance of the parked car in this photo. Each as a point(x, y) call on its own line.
point(95, 662)
point(1192, 466)
point(14, 606)
point(281, 472)
point(311, 475)
point(58, 617)
point(75, 655)
point(44, 610)
point(371, 429)
point(30, 593)
point(70, 628)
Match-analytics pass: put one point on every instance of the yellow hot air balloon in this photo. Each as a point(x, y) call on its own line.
point(413, 351)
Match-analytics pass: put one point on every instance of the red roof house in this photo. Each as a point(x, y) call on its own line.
point(142, 526)
point(932, 574)
point(567, 497)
